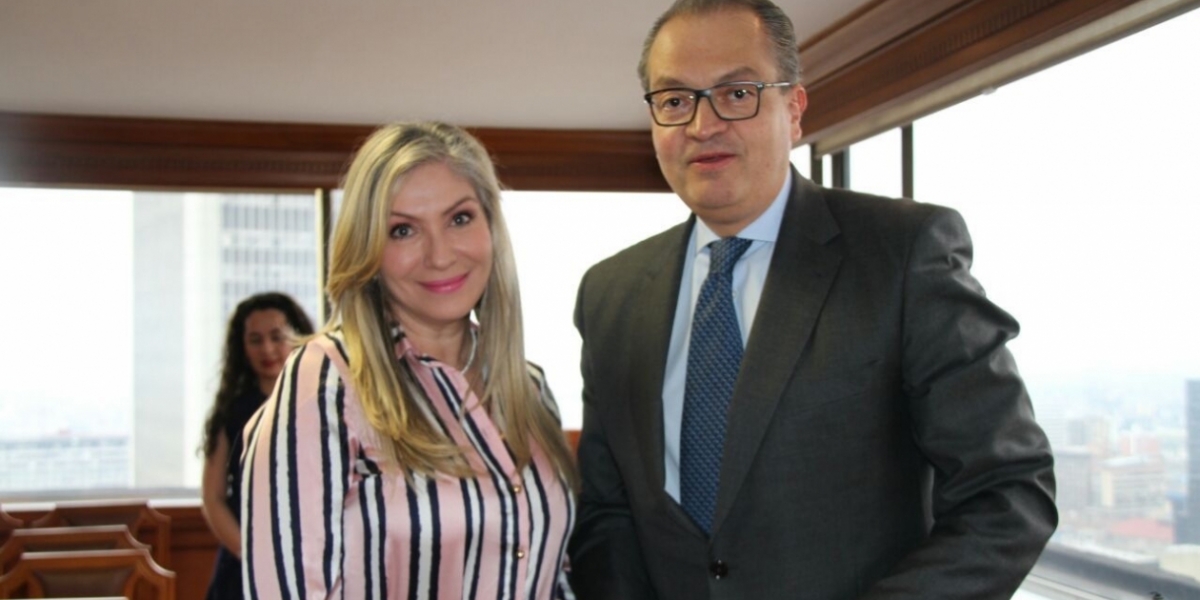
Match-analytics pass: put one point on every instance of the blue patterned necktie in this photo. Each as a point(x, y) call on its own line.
point(714, 358)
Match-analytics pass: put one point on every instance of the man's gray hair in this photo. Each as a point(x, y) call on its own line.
point(779, 28)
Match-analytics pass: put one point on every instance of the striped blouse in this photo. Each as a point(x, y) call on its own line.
point(326, 517)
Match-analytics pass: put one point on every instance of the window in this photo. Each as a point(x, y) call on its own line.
point(875, 165)
point(802, 160)
point(1078, 184)
point(556, 237)
point(120, 304)
point(117, 303)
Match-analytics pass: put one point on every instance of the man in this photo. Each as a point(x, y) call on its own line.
point(820, 403)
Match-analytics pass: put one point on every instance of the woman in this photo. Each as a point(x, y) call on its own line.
point(260, 335)
point(410, 453)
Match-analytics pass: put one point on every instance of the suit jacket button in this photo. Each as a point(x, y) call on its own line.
point(718, 569)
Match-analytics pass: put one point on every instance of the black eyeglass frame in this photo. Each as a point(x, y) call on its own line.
point(707, 93)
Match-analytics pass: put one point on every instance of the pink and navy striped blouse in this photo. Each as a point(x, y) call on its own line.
point(325, 517)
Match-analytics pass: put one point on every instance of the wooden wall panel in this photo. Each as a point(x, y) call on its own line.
point(49, 150)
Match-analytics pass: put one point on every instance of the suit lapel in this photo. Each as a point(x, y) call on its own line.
point(802, 269)
point(651, 322)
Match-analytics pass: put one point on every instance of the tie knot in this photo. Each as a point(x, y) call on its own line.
point(725, 253)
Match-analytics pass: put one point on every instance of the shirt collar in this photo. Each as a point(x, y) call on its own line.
point(764, 229)
point(405, 348)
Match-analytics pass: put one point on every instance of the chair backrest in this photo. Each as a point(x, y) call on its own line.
point(55, 539)
point(146, 524)
point(572, 440)
point(8, 524)
point(83, 573)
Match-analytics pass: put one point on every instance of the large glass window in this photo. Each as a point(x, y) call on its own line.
point(556, 237)
point(117, 304)
point(1079, 186)
point(875, 166)
point(802, 160)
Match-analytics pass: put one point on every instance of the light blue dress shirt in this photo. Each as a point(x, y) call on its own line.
point(749, 276)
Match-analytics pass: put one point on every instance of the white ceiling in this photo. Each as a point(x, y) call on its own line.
point(494, 63)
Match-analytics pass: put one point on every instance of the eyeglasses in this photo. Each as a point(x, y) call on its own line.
point(732, 101)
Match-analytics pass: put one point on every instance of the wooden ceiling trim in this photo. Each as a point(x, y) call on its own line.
point(864, 31)
point(62, 150)
point(895, 83)
point(911, 64)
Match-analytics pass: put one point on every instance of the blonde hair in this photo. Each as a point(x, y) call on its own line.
point(388, 392)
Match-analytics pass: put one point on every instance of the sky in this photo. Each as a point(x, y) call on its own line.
point(68, 302)
point(1079, 187)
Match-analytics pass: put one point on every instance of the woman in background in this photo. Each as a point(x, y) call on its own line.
point(261, 333)
point(409, 452)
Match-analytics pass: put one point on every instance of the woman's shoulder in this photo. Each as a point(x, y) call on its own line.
point(318, 366)
point(332, 341)
point(536, 371)
point(319, 379)
point(325, 345)
point(538, 375)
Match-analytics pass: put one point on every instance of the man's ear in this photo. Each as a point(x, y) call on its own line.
point(797, 103)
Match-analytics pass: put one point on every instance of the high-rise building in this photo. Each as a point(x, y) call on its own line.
point(159, 273)
point(1073, 468)
point(1188, 520)
point(1091, 432)
point(268, 242)
point(195, 257)
point(1132, 486)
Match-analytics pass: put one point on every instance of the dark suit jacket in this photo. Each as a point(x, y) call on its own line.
point(880, 442)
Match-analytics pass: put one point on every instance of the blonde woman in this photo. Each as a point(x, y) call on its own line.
point(410, 452)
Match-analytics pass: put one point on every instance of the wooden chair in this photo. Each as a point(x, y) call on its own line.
point(56, 539)
point(146, 524)
point(572, 439)
point(125, 573)
point(8, 524)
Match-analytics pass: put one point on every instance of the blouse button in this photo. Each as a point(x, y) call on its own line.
point(520, 554)
point(516, 489)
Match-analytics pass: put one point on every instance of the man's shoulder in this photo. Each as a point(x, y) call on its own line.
point(648, 253)
point(857, 211)
point(614, 285)
point(842, 201)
